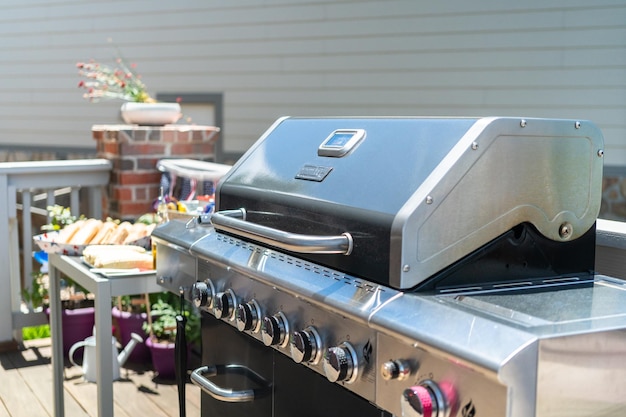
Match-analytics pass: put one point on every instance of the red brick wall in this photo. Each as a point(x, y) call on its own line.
point(134, 152)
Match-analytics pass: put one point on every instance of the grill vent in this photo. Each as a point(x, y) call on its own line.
point(299, 263)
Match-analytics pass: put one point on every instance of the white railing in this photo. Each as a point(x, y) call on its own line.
point(30, 180)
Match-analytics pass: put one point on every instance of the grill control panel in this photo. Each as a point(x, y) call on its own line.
point(418, 382)
point(321, 322)
point(337, 347)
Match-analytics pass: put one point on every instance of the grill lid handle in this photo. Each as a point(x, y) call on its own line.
point(233, 221)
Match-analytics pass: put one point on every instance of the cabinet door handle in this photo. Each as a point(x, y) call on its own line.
point(200, 377)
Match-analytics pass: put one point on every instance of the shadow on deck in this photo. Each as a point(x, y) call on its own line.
point(26, 388)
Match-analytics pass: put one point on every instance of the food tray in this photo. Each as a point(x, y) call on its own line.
point(117, 272)
point(47, 242)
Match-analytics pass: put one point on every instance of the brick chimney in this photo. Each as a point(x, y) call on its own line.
point(134, 152)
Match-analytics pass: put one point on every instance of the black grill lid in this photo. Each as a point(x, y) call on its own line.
point(395, 200)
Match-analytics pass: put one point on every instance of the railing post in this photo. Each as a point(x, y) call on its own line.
point(15, 274)
point(6, 326)
point(27, 241)
point(95, 202)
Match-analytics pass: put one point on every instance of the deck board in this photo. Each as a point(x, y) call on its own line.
point(26, 388)
point(16, 393)
point(35, 368)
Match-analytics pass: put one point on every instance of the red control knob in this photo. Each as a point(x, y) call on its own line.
point(420, 400)
point(429, 399)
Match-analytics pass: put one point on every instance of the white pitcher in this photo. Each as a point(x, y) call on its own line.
point(89, 355)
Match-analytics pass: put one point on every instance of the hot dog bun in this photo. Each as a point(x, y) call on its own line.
point(96, 232)
point(86, 232)
point(105, 232)
point(65, 235)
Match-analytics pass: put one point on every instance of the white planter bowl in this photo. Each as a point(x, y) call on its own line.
point(150, 114)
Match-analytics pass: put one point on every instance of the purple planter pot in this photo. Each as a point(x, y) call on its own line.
point(128, 323)
point(163, 358)
point(77, 326)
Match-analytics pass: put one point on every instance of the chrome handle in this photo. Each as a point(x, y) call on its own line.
point(233, 221)
point(199, 378)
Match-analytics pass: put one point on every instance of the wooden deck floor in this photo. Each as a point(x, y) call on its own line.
point(26, 388)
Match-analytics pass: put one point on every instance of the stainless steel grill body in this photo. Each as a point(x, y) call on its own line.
point(514, 353)
point(426, 267)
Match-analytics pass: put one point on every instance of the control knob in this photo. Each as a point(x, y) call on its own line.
point(247, 316)
point(398, 369)
point(306, 346)
point(429, 400)
point(341, 363)
point(224, 305)
point(202, 293)
point(274, 330)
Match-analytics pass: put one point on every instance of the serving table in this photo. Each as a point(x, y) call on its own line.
point(103, 289)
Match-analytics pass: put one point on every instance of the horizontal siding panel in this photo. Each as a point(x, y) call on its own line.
point(451, 69)
point(603, 98)
point(311, 22)
point(337, 34)
point(318, 58)
point(26, 90)
point(250, 74)
point(354, 55)
point(539, 98)
point(409, 16)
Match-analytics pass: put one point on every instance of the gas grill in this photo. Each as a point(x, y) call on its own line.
point(405, 266)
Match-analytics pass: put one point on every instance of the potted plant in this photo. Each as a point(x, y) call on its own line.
point(129, 314)
point(161, 328)
point(122, 82)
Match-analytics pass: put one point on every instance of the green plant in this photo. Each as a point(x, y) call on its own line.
point(106, 82)
point(36, 332)
point(130, 303)
point(37, 294)
point(163, 314)
point(59, 218)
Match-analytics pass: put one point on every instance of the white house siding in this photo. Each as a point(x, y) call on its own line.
point(270, 58)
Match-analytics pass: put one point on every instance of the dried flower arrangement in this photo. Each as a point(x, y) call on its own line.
point(106, 82)
point(103, 82)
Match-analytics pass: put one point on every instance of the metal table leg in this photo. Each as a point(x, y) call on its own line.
point(56, 333)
